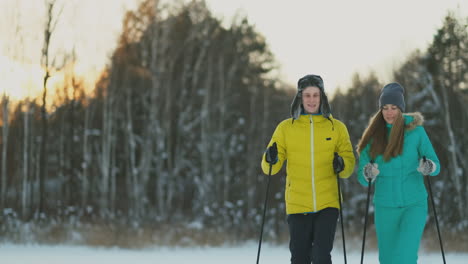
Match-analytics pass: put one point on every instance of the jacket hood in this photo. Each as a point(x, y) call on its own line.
point(412, 120)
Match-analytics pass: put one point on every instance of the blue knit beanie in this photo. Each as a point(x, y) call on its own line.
point(392, 93)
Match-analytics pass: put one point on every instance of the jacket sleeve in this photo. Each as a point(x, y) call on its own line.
point(345, 150)
point(364, 158)
point(278, 137)
point(425, 149)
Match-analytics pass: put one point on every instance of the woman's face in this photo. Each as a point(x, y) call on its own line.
point(311, 99)
point(390, 113)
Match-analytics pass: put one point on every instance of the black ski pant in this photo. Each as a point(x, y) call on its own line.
point(312, 235)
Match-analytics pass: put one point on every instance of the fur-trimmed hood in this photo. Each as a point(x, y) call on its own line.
point(412, 120)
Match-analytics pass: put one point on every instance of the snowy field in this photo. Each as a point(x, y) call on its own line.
point(30, 254)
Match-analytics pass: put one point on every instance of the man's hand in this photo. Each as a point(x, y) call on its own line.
point(338, 163)
point(271, 155)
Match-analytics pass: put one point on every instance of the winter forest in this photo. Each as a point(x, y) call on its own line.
point(166, 149)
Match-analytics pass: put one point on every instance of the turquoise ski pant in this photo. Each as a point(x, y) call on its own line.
point(399, 231)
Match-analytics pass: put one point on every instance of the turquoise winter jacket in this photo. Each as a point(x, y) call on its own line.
point(399, 183)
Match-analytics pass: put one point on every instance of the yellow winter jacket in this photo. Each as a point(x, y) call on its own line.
point(308, 145)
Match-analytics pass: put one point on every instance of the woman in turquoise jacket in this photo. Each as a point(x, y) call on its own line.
point(394, 154)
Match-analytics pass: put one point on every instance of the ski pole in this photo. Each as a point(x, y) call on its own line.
point(369, 182)
point(264, 213)
point(435, 213)
point(341, 213)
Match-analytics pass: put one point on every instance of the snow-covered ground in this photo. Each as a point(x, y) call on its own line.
point(32, 254)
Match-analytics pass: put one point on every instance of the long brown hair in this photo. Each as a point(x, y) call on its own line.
point(381, 143)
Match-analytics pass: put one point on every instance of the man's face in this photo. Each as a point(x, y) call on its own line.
point(311, 99)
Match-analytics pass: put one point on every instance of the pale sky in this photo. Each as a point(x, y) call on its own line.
point(338, 38)
point(331, 38)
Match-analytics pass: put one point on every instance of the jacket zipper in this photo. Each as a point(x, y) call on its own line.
point(312, 162)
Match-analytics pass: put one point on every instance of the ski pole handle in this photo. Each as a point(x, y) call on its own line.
point(371, 162)
point(425, 160)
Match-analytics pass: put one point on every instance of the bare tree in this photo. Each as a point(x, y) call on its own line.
point(156, 135)
point(48, 64)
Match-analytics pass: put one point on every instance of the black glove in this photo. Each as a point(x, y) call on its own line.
point(271, 155)
point(338, 163)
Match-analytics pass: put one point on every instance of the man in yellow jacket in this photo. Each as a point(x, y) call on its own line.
point(308, 142)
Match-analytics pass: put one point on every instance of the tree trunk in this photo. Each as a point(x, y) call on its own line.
point(3, 190)
point(25, 193)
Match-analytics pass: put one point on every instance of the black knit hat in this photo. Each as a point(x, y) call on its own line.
point(393, 93)
point(308, 81)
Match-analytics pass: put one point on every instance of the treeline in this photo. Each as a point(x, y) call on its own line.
point(173, 134)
